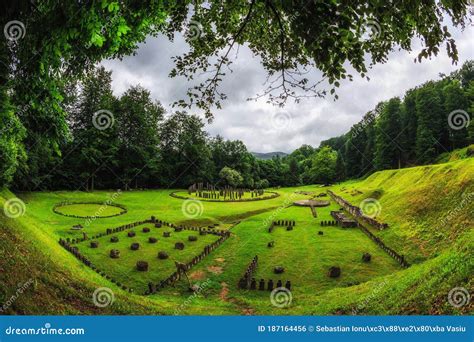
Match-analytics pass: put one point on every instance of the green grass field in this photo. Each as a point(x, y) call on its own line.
point(417, 203)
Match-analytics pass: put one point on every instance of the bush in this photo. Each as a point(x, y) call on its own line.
point(94, 244)
point(152, 240)
point(114, 239)
point(135, 246)
point(146, 230)
point(192, 238)
point(166, 234)
point(131, 234)
point(179, 245)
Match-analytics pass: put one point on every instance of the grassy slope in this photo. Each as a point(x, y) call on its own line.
point(414, 201)
point(65, 287)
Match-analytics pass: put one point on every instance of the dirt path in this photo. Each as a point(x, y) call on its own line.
point(243, 307)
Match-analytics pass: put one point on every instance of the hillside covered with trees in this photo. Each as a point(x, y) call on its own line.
point(136, 145)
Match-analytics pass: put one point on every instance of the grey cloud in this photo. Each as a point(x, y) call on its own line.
point(312, 120)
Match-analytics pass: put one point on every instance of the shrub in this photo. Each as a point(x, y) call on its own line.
point(114, 239)
point(146, 230)
point(179, 245)
point(135, 246)
point(166, 234)
point(152, 240)
point(94, 244)
point(131, 234)
point(192, 238)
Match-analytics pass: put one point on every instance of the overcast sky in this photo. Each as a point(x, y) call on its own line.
point(264, 127)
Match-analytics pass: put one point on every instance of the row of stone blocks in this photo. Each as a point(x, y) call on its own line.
point(75, 251)
point(328, 223)
point(201, 230)
point(357, 212)
point(107, 232)
point(398, 257)
point(262, 284)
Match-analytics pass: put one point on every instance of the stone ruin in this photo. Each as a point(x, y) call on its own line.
point(334, 272)
point(278, 269)
point(248, 282)
point(142, 266)
point(227, 193)
point(114, 253)
point(289, 224)
point(163, 255)
point(342, 220)
point(366, 257)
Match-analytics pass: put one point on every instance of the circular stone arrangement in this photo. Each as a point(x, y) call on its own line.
point(311, 203)
point(184, 195)
point(97, 209)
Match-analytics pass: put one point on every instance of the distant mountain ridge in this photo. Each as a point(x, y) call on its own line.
point(268, 155)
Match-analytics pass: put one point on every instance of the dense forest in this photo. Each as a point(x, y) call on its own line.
point(129, 142)
point(49, 89)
